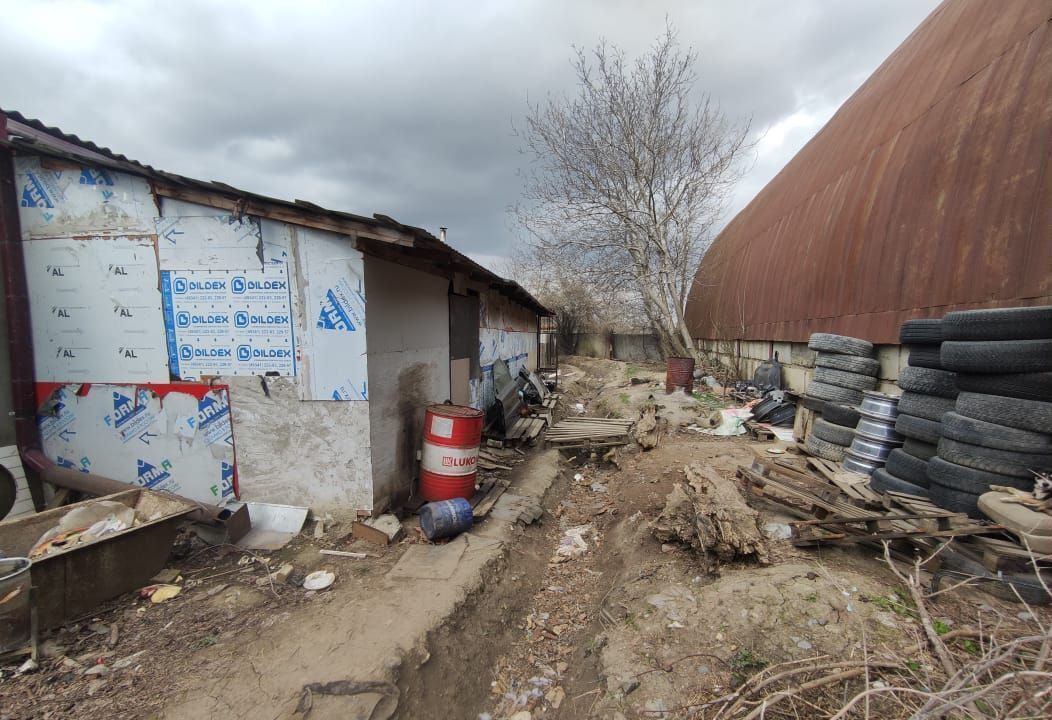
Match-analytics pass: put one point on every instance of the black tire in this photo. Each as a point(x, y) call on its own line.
point(1028, 386)
point(1013, 412)
point(882, 481)
point(956, 566)
point(834, 393)
point(978, 432)
point(836, 434)
point(1002, 462)
point(843, 415)
point(998, 356)
point(954, 500)
point(917, 428)
point(920, 449)
point(926, 356)
point(823, 449)
point(825, 342)
point(1024, 323)
point(813, 403)
point(929, 407)
point(903, 465)
point(849, 363)
point(921, 332)
point(928, 382)
point(840, 378)
point(970, 480)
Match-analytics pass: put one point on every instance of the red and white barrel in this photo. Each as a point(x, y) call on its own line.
point(449, 462)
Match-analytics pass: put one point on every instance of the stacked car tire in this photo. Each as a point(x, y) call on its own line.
point(928, 392)
point(832, 433)
point(1000, 429)
point(844, 369)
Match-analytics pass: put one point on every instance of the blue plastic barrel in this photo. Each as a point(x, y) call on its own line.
point(446, 518)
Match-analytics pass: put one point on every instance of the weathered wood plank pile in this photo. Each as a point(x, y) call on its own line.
point(580, 432)
point(837, 507)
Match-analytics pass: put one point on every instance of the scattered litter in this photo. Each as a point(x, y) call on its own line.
point(344, 553)
point(732, 422)
point(777, 531)
point(598, 487)
point(281, 575)
point(578, 477)
point(159, 593)
point(579, 408)
point(98, 669)
point(128, 661)
point(775, 451)
point(382, 530)
point(572, 543)
point(28, 666)
point(319, 580)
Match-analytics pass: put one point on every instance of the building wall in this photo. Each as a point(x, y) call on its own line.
point(507, 331)
point(146, 378)
point(929, 190)
point(798, 361)
point(408, 369)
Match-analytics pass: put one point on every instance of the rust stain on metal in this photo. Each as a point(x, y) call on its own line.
point(929, 190)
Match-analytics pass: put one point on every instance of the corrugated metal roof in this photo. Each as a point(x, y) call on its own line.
point(929, 190)
point(31, 135)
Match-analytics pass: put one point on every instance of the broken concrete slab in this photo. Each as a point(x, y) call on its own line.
point(517, 508)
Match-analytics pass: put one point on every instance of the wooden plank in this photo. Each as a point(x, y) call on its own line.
point(227, 200)
point(486, 504)
point(897, 535)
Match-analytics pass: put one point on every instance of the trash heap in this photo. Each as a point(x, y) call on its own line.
point(85, 524)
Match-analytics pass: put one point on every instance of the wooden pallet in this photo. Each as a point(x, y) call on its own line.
point(880, 527)
point(759, 432)
point(525, 429)
point(579, 432)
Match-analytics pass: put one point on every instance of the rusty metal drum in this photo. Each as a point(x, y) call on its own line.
point(449, 461)
point(679, 375)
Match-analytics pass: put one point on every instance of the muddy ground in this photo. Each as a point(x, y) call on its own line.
point(626, 628)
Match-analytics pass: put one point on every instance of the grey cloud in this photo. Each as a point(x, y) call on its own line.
point(406, 108)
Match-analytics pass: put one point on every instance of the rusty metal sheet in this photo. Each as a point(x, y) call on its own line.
point(929, 190)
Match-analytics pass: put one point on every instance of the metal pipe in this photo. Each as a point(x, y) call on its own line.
point(91, 484)
point(19, 336)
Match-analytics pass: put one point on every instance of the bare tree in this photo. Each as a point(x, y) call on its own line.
point(630, 176)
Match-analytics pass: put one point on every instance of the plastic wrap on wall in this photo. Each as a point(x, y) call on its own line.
point(95, 310)
point(228, 322)
point(177, 438)
point(205, 242)
point(334, 306)
point(61, 199)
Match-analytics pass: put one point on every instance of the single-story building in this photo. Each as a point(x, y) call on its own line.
point(190, 336)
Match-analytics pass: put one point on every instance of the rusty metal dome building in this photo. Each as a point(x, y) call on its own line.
point(929, 190)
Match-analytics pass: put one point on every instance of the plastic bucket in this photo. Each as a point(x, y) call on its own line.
point(449, 461)
point(446, 518)
point(14, 603)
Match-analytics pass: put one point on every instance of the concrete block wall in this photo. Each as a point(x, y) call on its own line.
point(798, 360)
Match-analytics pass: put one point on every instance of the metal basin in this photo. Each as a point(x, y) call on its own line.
point(871, 449)
point(881, 431)
point(860, 465)
point(879, 405)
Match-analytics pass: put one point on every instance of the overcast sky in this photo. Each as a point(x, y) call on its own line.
point(406, 107)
